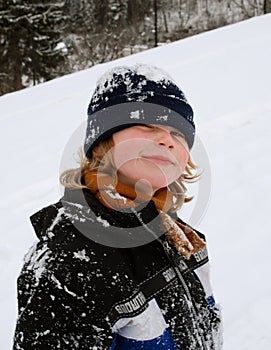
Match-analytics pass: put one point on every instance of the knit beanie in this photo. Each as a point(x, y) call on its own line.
point(136, 95)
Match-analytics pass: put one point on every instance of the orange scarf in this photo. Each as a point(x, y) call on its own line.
point(118, 196)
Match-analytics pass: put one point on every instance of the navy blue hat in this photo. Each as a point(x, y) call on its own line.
point(141, 94)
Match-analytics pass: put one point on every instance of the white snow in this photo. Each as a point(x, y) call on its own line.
point(162, 117)
point(65, 288)
point(226, 75)
point(57, 219)
point(37, 259)
point(152, 73)
point(81, 255)
point(115, 195)
point(135, 115)
point(106, 82)
point(102, 221)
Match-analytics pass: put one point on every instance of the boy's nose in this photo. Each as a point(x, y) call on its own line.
point(164, 138)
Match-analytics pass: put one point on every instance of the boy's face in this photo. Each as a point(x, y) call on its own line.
point(150, 156)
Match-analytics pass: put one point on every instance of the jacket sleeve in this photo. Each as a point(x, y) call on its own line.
point(60, 306)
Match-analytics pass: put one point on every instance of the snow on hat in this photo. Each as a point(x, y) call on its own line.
point(141, 94)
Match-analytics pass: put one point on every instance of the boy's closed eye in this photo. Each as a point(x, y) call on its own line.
point(175, 133)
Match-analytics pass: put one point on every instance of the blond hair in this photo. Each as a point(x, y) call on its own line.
point(102, 160)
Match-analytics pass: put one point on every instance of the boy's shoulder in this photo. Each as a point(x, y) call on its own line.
point(43, 219)
point(69, 251)
point(60, 225)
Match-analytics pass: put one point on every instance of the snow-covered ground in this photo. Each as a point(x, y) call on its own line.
point(226, 75)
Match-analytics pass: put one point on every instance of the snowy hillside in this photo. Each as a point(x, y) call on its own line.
point(226, 76)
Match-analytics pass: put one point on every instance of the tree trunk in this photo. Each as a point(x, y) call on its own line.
point(16, 67)
point(267, 6)
point(155, 24)
point(165, 21)
point(133, 12)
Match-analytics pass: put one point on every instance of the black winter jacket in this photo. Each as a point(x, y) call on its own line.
point(72, 290)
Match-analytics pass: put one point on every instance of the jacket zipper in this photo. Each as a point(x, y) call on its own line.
point(188, 294)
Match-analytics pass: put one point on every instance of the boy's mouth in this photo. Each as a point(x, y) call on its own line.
point(159, 159)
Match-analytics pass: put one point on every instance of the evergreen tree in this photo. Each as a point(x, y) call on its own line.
point(81, 15)
point(30, 33)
